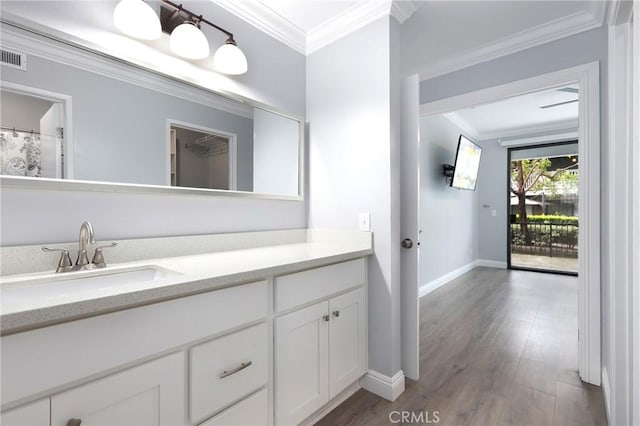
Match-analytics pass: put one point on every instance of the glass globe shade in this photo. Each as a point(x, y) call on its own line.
point(137, 19)
point(189, 42)
point(229, 59)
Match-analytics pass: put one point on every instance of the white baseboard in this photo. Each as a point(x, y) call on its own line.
point(439, 282)
point(606, 392)
point(386, 387)
point(491, 263)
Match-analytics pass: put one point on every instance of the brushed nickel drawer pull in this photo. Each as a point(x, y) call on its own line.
point(235, 370)
point(336, 314)
point(326, 318)
point(74, 422)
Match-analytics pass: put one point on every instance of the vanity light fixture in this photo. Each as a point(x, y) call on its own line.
point(188, 41)
point(137, 19)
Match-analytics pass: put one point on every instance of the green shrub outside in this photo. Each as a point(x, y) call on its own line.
point(551, 218)
point(542, 235)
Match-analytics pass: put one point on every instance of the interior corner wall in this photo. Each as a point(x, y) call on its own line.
point(350, 165)
point(448, 216)
point(43, 216)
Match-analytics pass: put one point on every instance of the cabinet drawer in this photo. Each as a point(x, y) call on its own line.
point(79, 349)
point(218, 376)
point(304, 287)
point(252, 411)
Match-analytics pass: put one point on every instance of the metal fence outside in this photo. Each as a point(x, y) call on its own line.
point(547, 239)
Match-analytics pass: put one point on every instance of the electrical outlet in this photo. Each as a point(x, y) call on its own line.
point(364, 223)
point(494, 213)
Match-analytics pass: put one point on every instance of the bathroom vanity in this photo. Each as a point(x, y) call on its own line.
point(271, 334)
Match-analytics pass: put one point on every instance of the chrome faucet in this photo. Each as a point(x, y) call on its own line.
point(86, 237)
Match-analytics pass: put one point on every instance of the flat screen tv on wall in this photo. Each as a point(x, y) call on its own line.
point(465, 171)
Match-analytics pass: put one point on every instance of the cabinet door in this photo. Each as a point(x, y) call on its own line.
point(34, 414)
point(347, 340)
point(301, 376)
point(149, 394)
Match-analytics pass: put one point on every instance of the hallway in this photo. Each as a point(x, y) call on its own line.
point(498, 347)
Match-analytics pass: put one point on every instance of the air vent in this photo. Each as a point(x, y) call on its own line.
point(13, 59)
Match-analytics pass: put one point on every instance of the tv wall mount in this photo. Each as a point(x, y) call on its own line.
point(447, 171)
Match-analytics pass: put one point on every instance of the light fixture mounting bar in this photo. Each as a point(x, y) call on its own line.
point(199, 18)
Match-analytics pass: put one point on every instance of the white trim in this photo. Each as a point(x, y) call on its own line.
point(466, 128)
point(587, 76)
point(491, 264)
point(360, 14)
point(233, 147)
point(67, 105)
point(354, 18)
point(534, 130)
point(536, 140)
point(389, 388)
point(47, 48)
point(635, 215)
point(445, 279)
point(403, 9)
point(606, 393)
point(549, 31)
point(266, 20)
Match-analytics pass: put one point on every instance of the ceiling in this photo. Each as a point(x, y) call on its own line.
point(437, 37)
point(521, 115)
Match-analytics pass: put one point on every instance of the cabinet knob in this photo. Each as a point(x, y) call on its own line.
point(74, 422)
point(336, 314)
point(326, 318)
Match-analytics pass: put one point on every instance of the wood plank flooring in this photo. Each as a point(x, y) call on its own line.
point(497, 347)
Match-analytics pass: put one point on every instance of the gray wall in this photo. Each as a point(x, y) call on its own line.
point(280, 83)
point(21, 112)
point(447, 215)
point(350, 166)
point(492, 192)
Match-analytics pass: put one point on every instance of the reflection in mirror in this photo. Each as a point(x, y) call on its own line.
point(95, 124)
point(202, 159)
point(31, 136)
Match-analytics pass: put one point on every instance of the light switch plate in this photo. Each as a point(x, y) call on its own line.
point(364, 222)
point(494, 212)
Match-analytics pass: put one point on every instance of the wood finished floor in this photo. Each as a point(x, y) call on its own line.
point(497, 347)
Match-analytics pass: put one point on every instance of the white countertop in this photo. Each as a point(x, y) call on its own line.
point(194, 274)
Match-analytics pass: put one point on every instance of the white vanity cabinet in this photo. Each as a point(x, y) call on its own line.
point(33, 414)
point(148, 394)
point(320, 349)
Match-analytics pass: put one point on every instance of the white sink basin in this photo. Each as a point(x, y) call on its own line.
point(82, 284)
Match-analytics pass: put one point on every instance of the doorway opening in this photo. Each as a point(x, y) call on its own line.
point(543, 208)
point(31, 134)
point(201, 158)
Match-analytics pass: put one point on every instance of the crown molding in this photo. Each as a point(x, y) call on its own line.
point(350, 20)
point(563, 126)
point(463, 125)
point(539, 130)
point(354, 18)
point(592, 17)
point(267, 21)
point(402, 9)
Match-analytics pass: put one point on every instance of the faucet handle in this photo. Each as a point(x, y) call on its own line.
point(64, 264)
point(98, 257)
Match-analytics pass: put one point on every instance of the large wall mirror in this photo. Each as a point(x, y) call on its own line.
point(63, 124)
